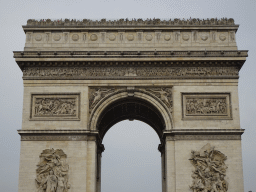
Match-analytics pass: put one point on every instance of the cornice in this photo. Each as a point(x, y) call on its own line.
point(130, 22)
point(128, 54)
point(204, 131)
point(130, 58)
point(202, 134)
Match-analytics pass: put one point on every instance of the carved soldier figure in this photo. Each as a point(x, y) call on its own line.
point(224, 183)
point(61, 183)
point(51, 182)
point(52, 172)
point(197, 183)
point(210, 168)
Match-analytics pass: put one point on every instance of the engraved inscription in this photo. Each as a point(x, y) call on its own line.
point(54, 106)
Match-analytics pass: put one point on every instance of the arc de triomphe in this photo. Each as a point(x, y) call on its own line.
point(178, 76)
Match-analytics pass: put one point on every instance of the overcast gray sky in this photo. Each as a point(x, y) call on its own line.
point(131, 161)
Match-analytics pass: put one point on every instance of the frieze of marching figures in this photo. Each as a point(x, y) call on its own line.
point(55, 106)
point(210, 170)
point(52, 171)
point(104, 22)
point(115, 72)
point(206, 105)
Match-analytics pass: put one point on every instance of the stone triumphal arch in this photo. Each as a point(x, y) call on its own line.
point(178, 76)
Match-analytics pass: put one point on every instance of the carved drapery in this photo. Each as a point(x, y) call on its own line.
point(52, 171)
point(210, 170)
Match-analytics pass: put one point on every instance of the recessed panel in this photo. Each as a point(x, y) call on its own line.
point(55, 107)
point(198, 106)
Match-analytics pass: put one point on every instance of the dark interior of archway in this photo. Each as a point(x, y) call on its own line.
point(132, 109)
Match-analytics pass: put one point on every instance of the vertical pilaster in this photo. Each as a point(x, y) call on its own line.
point(91, 164)
point(100, 149)
point(170, 170)
point(163, 172)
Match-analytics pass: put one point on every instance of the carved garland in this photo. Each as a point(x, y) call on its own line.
point(210, 170)
point(52, 171)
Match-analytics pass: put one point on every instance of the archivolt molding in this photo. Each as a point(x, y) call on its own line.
point(145, 93)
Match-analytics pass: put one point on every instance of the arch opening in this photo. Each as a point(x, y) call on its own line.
point(131, 161)
point(130, 109)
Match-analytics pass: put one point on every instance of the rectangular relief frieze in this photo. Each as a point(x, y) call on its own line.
point(55, 106)
point(196, 106)
point(128, 72)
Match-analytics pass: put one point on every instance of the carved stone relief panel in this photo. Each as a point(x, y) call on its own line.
point(55, 106)
point(164, 94)
point(210, 170)
point(52, 171)
point(206, 106)
point(97, 94)
point(129, 72)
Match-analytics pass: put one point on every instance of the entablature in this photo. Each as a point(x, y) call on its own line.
point(130, 65)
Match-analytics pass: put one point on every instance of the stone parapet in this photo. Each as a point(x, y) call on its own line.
point(139, 35)
point(130, 22)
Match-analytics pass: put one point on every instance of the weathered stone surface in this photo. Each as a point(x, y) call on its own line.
point(179, 76)
point(195, 34)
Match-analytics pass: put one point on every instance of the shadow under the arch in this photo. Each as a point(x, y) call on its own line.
point(130, 109)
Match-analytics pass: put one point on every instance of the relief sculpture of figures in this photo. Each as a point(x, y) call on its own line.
point(97, 94)
point(54, 106)
point(210, 170)
point(165, 94)
point(98, 72)
point(203, 106)
point(52, 172)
